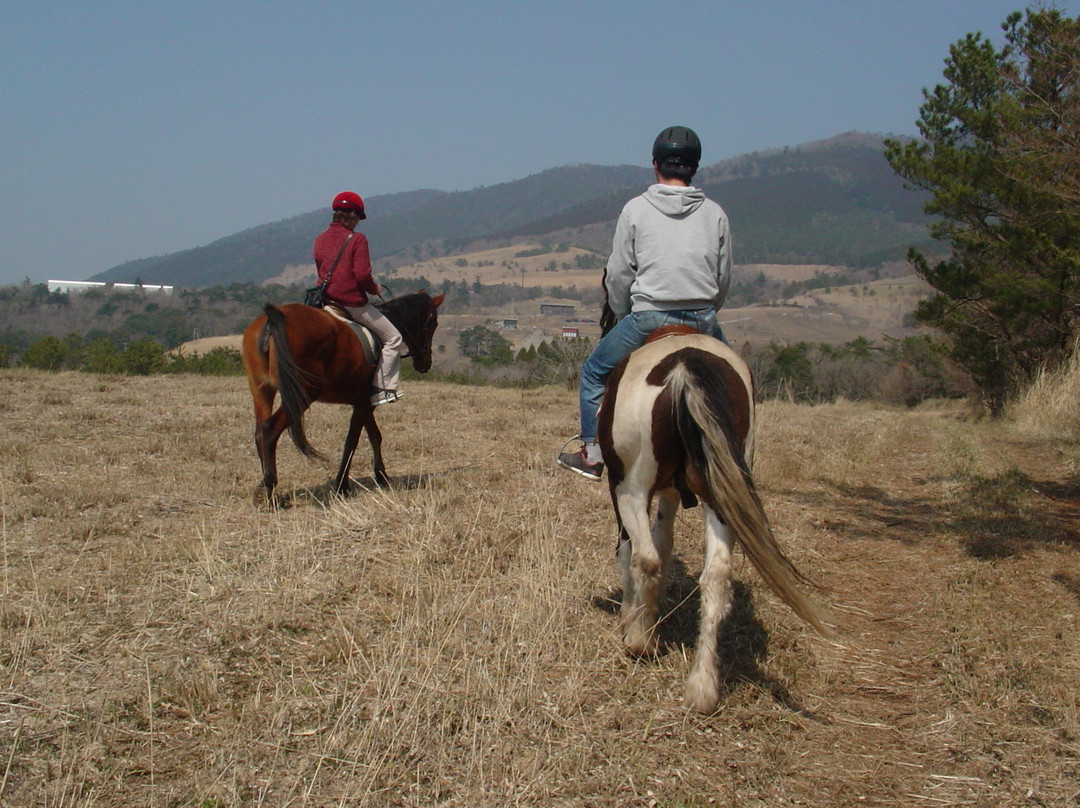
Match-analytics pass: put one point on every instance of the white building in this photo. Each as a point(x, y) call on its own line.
point(66, 287)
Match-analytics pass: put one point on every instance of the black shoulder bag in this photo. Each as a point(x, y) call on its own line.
point(316, 295)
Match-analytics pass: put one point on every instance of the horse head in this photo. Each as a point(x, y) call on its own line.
point(416, 316)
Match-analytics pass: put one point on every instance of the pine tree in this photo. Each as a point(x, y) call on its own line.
point(1007, 295)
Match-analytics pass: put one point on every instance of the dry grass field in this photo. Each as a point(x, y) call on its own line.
point(452, 641)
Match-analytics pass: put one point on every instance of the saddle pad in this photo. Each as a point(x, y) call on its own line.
point(368, 341)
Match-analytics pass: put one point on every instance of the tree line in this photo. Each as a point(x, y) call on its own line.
point(143, 357)
point(902, 372)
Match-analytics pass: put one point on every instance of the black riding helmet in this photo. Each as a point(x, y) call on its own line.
point(679, 142)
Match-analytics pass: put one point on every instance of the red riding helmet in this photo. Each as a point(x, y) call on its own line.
point(348, 200)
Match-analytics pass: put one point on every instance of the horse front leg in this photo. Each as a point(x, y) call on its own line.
point(375, 437)
point(703, 684)
point(342, 484)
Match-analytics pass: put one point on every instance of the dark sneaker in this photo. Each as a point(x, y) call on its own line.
point(578, 462)
point(385, 397)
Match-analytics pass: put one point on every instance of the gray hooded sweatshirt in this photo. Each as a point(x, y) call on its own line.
point(672, 250)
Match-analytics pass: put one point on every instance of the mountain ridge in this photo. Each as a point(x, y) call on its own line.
point(834, 201)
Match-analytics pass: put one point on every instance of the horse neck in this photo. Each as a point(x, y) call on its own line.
point(406, 313)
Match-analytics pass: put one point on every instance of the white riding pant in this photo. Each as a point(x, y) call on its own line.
point(389, 370)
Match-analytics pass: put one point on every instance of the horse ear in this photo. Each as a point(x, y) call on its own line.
point(438, 300)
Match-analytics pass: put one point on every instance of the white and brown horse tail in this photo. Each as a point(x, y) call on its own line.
point(706, 411)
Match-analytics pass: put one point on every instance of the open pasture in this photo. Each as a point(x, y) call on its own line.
point(453, 640)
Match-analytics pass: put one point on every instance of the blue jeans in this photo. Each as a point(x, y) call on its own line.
point(629, 334)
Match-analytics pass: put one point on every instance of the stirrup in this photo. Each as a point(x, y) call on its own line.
point(563, 449)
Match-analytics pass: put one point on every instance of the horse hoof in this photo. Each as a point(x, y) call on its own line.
point(269, 500)
point(702, 693)
point(641, 644)
point(701, 703)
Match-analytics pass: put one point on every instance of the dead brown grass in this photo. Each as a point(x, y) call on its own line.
point(1050, 408)
point(452, 640)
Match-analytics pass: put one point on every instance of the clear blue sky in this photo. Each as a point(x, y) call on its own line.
point(134, 129)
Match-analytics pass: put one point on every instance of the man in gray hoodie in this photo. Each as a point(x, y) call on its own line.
point(670, 264)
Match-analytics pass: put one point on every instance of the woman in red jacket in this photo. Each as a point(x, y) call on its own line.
point(351, 284)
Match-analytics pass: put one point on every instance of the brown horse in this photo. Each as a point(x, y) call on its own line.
point(677, 424)
point(306, 355)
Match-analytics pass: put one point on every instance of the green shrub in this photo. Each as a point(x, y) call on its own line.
point(102, 356)
point(46, 354)
point(144, 357)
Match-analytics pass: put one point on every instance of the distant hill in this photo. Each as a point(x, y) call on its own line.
point(832, 202)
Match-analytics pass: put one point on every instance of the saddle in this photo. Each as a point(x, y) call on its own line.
point(368, 340)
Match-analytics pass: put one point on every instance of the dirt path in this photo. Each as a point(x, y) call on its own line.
point(954, 574)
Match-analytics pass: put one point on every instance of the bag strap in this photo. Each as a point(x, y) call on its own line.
point(333, 266)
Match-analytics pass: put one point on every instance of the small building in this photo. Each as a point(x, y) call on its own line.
point(510, 324)
point(558, 309)
point(570, 332)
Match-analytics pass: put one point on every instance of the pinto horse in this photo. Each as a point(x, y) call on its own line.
point(677, 424)
point(306, 355)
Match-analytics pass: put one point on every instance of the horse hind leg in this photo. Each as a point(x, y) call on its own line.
point(642, 571)
point(268, 425)
point(702, 691)
point(663, 529)
point(267, 433)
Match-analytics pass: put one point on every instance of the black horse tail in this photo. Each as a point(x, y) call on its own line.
point(702, 410)
point(294, 399)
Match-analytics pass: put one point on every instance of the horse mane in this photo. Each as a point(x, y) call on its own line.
point(405, 311)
